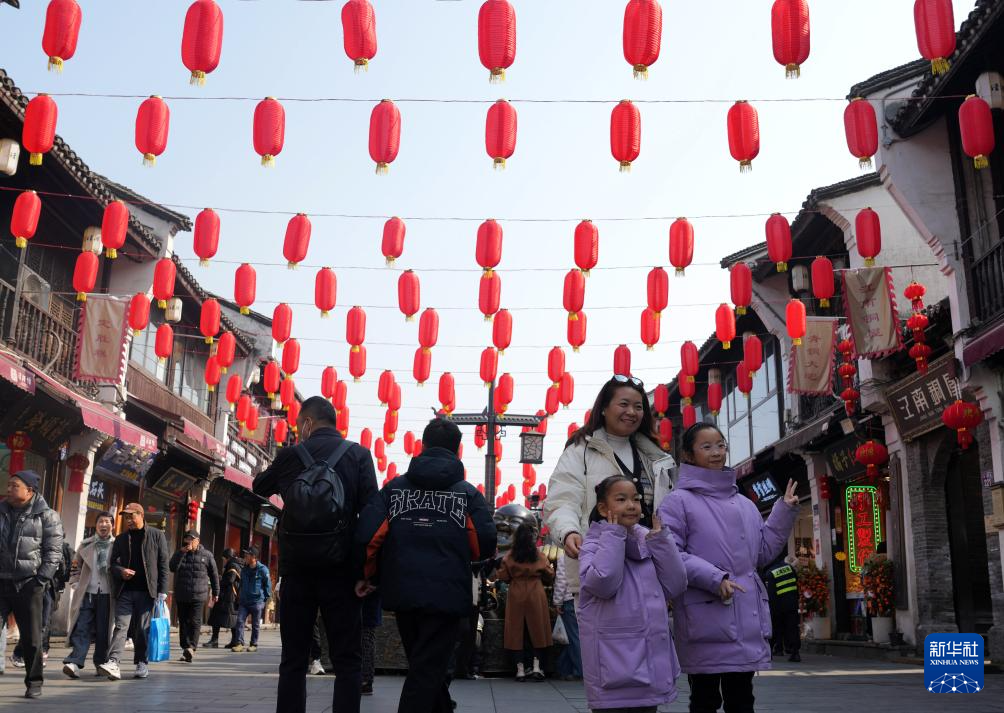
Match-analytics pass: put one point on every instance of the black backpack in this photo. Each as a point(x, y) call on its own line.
point(314, 529)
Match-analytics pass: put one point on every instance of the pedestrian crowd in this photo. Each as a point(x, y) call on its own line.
point(665, 570)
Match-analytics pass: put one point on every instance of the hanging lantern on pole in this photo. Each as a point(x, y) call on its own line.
point(681, 245)
point(85, 274)
point(976, 124)
point(868, 230)
point(625, 134)
point(502, 330)
point(325, 291)
point(489, 365)
point(795, 320)
point(752, 353)
point(385, 135)
point(725, 325)
point(587, 246)
point(24, 218)
point(488, 248)
point(59, 37)
point(202, 40)
point(622, 362)
point(504, 393)
point(153, 124)
point(963, 417)
point(489, 295)
point(574, 295)
point(447, 391)
point(359, 32)
point(497, 38)
point(282, 322)
point(789, 25)
point(823, 285)
point(918, 323)
point(39, 131)
point(850, 397)
point(741, 283)
point(392, 243)
point(934, 22)
point(357, 362)
point(422, 365)
point(576, 329)
point(500, 132)
point(861, 131)
point(642, 35)
point(778, 241)
point(245, 287)
point(209, 320)
point(206, 240)
point(409, 294)
point(139, 313)
point(651, 328)
point(744, 134)
point(920, 353)
point(847, 372)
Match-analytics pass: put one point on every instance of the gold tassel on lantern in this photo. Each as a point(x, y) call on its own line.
point(625, 167)
point(782, 267)
point(939, 65)
point(268, 160)
point(497, 75)
point(382, 169)
point(361, 65)
point(792, 71)
point(56, 63)
point(198, 78)
point(641, 72)
point(499, 164)
point(35, 159)
point(149, 160)
point(981, 161)
point(745, 166)
point(865, 162)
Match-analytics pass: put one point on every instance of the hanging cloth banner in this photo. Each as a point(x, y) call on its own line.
point(872, 316)
point(101, 340)
point(810, 368)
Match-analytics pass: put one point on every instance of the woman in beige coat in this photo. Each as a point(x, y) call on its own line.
point(527, 616)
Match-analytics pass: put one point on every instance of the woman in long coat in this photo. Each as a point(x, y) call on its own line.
point(224, 613)
point(527, 614)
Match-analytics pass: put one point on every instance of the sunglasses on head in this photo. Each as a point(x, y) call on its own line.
point(621, 379)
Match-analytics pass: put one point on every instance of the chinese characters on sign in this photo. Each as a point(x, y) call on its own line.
point(761, 490)
point(101, 348)
point(953, 663)
point(918, 401)
point(812, 364)
point(21, 378)
point(125, 462)
point(864, 524)
point(841, 458)
point(870, 312)
point(96, 495)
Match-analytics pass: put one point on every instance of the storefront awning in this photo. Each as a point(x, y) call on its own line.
point(985, 345)
point(807, 433)
point(242, 479)
point(16, 374)
point(206, 442)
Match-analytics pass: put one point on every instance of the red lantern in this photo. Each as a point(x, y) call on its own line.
point(689, 360)
point(574, 294)
point(625, 134)
point(497, 38)
point(741, 283)
point(576, 331)
point(650, 328)
point(779, 241)
point(24, 218)
point(384, 385)
point(725, 325)
point(114, 224)
point(489, 295)
point(325, 290)
point(212, 374)
point(744, 380)
point(752, 353)
point(234, 387)
point(917, 323)
point(823, 285)
point(795, 320)
point(271, 378)
point(39, 130)
point(422, 365)
point(359, 32)
point(715, 398)
point(642, 35)
point(686, 388)
point(226, 350)
point(681, 245)
point(164, 273)
point(357, 362)
point(17, 443)
point(920, 353)
point(355, 327)
point(85, 274)
point(428, 329)
point(390, 424)
point(342, 420)
point(488, 249)
point(658, 290)
point(847, 373)
point(555, 365)
point(340, 395)
point(502, 330)
point(139, 313)
point(163, 345)
point(622, 362)
point(504, 393)
point(566, 389)
point(292, 414)
point(329, 377)
point(409, 294)
point(846, 348)
point(861, 130)
point(665, 433)
point(527, 488)
point(915, 293)
point(77, 464)
point(869, 235)
point(689, 416)
point(479, 437)
point(935, 25)
point(59, 38)
point(202, 40)
point(209, 320)
point(963, 417)
point(660, 400)
point(542, 424)
point(392, 244)
point(245, 286)
point(391, 471)
point(872, 454)
point(976, 123)
point(552, 399)
point(385, 135)
point(394, 398)
point(489, 365)
point(280, 432)
point(447, 391)
point(287, 392)
point(379, 448)
point(744, 134)
point(587, 246)
point(269, 130)
point(789, 25)
point(294, 246)
point(290, 357)
point(282, 322)
point(500, 132)
point(153, 123)
point(243, 409)
point(206, 240)
point(530, 473)
point(409, 442)
point(850, 398)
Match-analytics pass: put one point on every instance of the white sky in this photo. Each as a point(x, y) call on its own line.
point(562, 168)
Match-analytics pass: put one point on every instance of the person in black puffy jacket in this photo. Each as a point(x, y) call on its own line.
point(421, 534)
point(195, 580)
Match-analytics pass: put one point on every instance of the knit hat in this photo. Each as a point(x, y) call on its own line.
point(29, 478)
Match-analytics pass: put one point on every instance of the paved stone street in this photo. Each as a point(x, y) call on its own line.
point(222, 681)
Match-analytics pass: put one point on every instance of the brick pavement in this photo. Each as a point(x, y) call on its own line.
point(220, 681)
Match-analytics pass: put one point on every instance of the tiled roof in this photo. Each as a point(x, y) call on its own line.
point(180, 220)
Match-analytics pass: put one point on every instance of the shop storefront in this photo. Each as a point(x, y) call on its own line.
point(119, 470)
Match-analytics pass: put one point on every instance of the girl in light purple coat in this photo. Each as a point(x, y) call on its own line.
point(628, 573)
point(722, 620)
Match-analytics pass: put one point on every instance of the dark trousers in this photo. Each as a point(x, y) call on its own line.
point(302, 596)
point(468, 655)
point(709, 690)
point(369, 654)
point(132, 616)
point(428, 641)
point(92, 624)
point(26, 604)
point(48, 602)
point(785, 629)
point(189, 623)
point(570, 659)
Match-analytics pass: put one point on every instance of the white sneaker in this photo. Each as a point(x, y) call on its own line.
point(316, 669)
point(141, 671)
point(71, 670)
point(111, 669)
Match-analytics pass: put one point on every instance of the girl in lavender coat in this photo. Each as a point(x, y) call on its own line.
point(722, 620)
point(628, 573)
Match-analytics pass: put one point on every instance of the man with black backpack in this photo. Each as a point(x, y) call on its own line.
point(324, 481)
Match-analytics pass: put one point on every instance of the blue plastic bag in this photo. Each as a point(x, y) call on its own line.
point(159, 642)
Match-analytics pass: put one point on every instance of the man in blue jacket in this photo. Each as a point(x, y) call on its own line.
point(421, 534)
point(256, 589)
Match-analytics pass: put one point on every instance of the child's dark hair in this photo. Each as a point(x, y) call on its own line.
point(601, 494)
point(690, 435)
point(524, 543)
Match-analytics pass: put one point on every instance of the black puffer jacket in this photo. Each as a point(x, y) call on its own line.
point(155, 559)
point(195, 575)
point(421, 534)
point(224, 613)
point(37, 538)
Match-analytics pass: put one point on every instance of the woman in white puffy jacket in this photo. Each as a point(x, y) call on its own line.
point(618, 440)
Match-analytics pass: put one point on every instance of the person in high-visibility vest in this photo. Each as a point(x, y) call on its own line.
point(782, 589)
